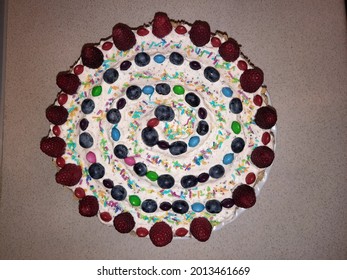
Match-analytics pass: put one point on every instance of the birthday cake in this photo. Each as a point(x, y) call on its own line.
point(164, 130)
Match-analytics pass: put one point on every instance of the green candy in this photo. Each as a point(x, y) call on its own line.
point(179, 90)
point(134, 200)
point(151, 175)
point(96, 91)
point(236, 127)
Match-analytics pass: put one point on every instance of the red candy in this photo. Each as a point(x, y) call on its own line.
point(266, 138)
point(142, 31)
point(142, 232)
point(153, 122)
point(62, 98)
point(107, 46)
point(56, 130)
point(60, 161)
point(258, 100)
point(181, 232)
point(250, 178)
point(215, 41)
point(78, 70)
point(79, 192)
point(242, 65)
point(180, 29)
point(105, 216)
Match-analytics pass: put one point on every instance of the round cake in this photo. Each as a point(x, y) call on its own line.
point(164, 130)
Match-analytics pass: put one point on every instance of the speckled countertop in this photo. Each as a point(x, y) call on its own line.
point(301, 212)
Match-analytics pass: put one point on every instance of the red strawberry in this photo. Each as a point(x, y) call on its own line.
point(266, 117)
point(201, 229)
point(160, 234)
point(91, 56)
point(57, 114)
point(53, 147)
point(200, 33)
point(69, 175)
point(68, 82)
point(161, 25)
point(123, 37)
point(252, 79)
point(262, 156)
point(124, 222)
point(88, 206)
point(229, 50)
point(244, 196)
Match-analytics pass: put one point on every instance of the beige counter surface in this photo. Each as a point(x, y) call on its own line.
point(302, 210)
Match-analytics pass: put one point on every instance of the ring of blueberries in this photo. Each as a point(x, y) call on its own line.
point(151, 138)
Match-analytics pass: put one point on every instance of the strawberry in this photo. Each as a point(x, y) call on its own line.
point(161, 25)
point(53, 147)
point(262, 156)
point(244, 196)
point(91, 56)
point(123, 37)
point(57, 114)
point(266, 117)
point(124, 222)
point(200, 33)
point(229, 50)
point(160, 234)
point(201, 229)
point(88, 206)
point(69, 175)
point(68, 82)
point(252, 79)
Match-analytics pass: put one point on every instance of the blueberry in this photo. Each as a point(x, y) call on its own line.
point(192, 99)
point(86, 140)
point(227, 202)
point(149, 136)
point(87, 106)
point(164, 113)
point(118, 192)
point(142, 59)
point(164, 145)
point(237, 145)
point(202, 113)
point(178, 148)
point(149, 206)
point(202, 128)
point(165, 206)
point(176, 58)
point(84, 124)
point(133, 92)
point(213, 206)
point(180, 206)
point(113, 116)
point(235, 105)
point(110, 76)
point(166, 181)
point(189, 181)
point(96, 171)
point(121, 151)
point(108, 183)
point(163, 88)
point(125, 65)
point(216, 171)
point(140, 168)
point(195, 65)
point(121, 103)
point(211, 74)
point(203, 177)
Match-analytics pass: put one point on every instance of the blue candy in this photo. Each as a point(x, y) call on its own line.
point(227, 92)
point(115, 134)
point(159, 58)
point(198, 207)
point(228, 158)
point(194, 141)
point(148, 90)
